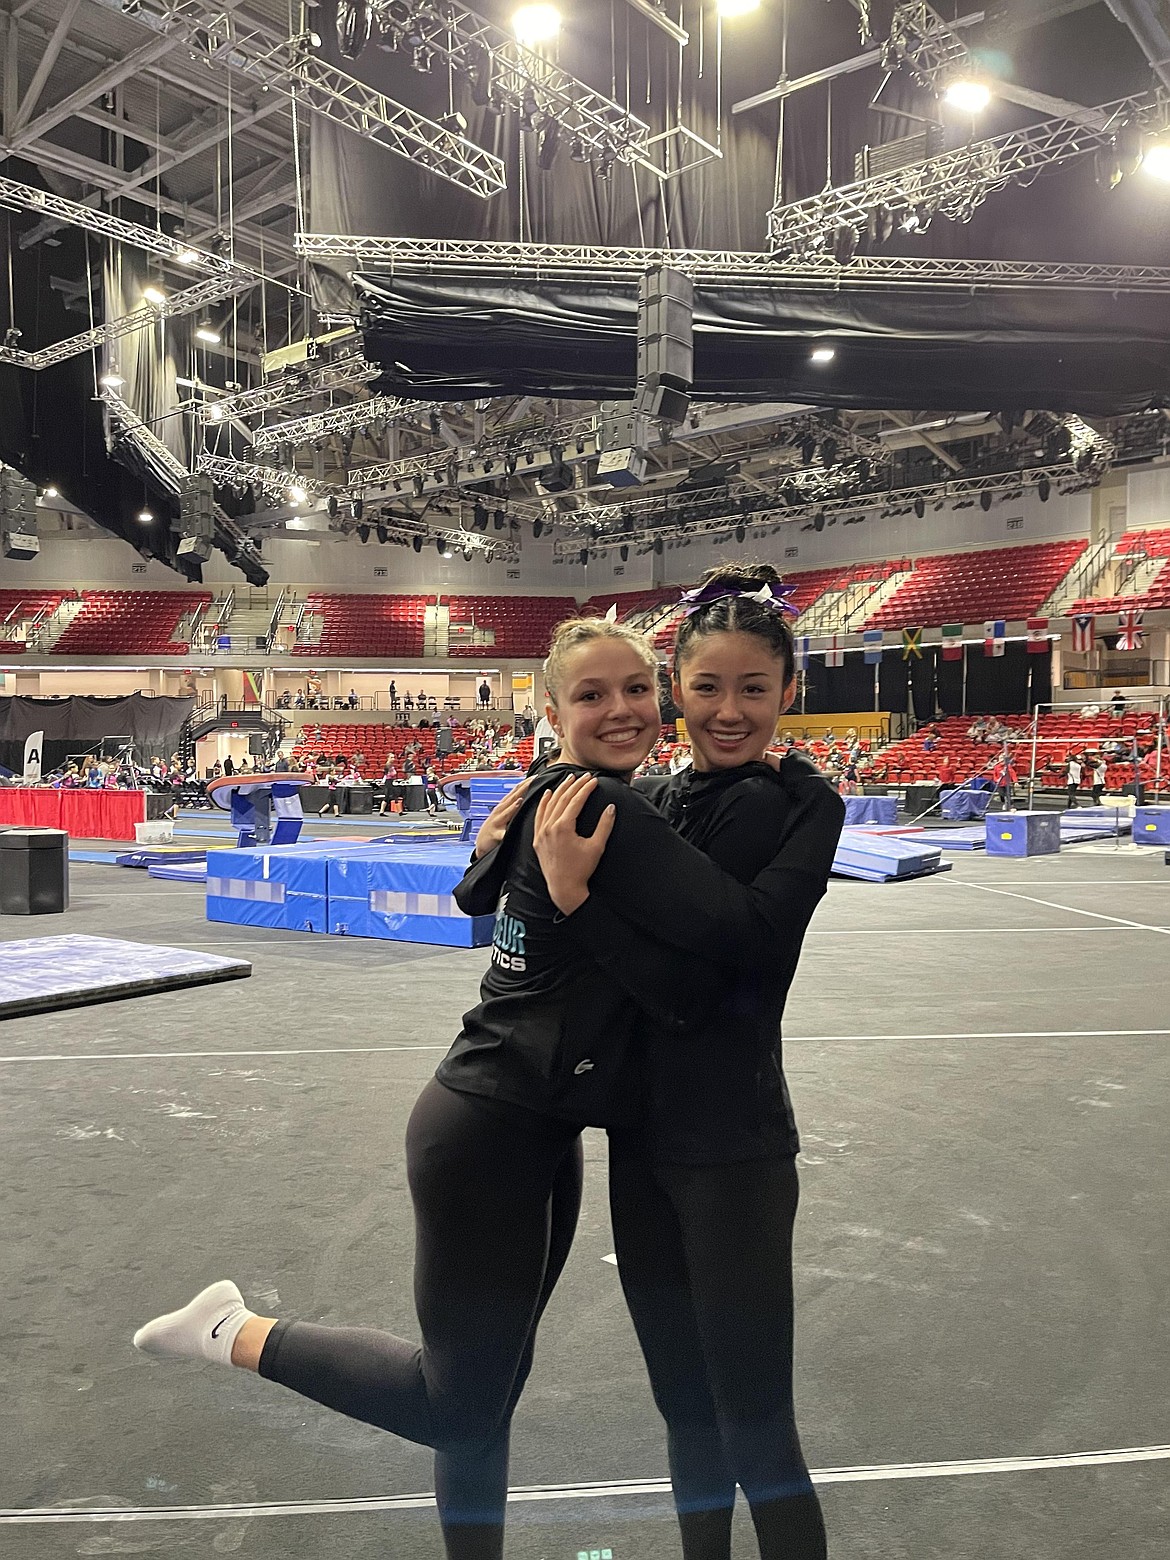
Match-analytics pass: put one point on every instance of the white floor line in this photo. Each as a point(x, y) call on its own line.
point(1051, 904)
point(876, 1473)
point(972, 931)
point(1162, 882)
point(383, 1050)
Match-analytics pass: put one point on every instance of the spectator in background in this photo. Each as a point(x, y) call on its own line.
point(945, 770)
point(299, 701)
point(1097, 771)
point(431, 790)
point(408, 703)
point(977, 730)
point(229, 767)
point(1075, 773)
point(392, 690)
point(1004, 778)
point(930, 743)
point(352, 699)
point(333, 801)
point(282, 765)
point(1117, 704)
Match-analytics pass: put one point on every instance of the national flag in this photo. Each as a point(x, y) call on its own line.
point(802, 644)
point(993, 637)
point(1082, 632)
point(911, 643)
point(952, 641)
point(834, 655)
point(872, 640)
point(1131, 636)
point(1037, 635)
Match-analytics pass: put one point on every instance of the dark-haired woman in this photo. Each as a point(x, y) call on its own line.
point(493, 1145)
point(704, 1188)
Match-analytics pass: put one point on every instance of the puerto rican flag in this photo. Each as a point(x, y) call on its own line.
point(993, 636)
point(1131, 636)
point(1083, 625)
point(1037, 635)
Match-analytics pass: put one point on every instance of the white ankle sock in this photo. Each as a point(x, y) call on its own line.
point(205, 1328)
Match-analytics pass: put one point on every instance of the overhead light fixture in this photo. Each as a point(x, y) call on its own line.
point(111, 381)
point(968, 95)
point(730, 9)
point(207, 333)
point(1157, 160)
point(455, 122)
point(296, 494)
point(441, 547)
point(187, 256)
point(145, 517)
point(215, 413)
point(154, 295)
point(822, 355)
point(536, 24)
point(51, 492)
point(363, 534)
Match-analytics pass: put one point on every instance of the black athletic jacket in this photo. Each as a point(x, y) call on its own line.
point(547, 1034)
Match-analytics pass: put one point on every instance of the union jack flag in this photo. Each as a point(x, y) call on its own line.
point(1131, 636)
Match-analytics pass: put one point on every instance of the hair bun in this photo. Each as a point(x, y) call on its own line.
point(746, 575)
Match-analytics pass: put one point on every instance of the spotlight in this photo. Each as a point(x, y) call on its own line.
point(187, 256)
point(154, 295)
point(382, 534)
point(332, 506)
point(479, 518)
point(529, 109)
point(537, 530)
point(145, 517)
point(455, 122)
point(417, 543)
point(499, 519)
point(844, 243)
point(819, 520)
point(422, 59)
point(578, 151)
point(968, 95)
point(729, 9)
point(441, 547)
point(740, 533)
point(583, 555)
point(829, 453)
point(822, 355)
point(363, 534)
point(1044, 489)
point(51, 492)
point(481, 77)
point(880, 226)
point(356, 507)
point(468, 554)
point(111, 381)
point(624, 553)
point(536, 24)
point(297, 494)
point(215, 414)
point(808, 450)
point(1157, 160)
point(207, 333)
point(920, 507)
point(1128, 148)
point(985, 502)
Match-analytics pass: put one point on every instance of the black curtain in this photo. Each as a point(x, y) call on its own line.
point(80, 724)
point(999, 684)
point(949, 685)
point(833, 689)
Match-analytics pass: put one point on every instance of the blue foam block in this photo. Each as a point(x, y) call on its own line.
point(405, 895)
point(369, 918)
point(289, 912)
point(1023, 834)
point(880, 857)
point(1151, 825)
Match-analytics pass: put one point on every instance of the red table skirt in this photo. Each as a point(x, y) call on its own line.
point(103, 815)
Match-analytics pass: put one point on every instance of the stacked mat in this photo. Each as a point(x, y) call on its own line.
point(876, 857)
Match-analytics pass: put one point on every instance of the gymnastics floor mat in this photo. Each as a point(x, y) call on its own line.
point(44, 974)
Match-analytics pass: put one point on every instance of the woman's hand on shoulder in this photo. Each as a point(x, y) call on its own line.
point(495, 825)
point(568, 859)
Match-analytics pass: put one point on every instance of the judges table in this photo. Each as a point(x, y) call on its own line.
point(103, 815)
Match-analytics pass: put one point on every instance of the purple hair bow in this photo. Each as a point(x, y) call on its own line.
point(774, 597)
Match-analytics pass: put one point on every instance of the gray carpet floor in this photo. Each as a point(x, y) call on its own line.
point(979, 1063)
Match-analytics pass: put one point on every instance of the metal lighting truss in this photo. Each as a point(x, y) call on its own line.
point(923, 44)
point(955, 183)
point(201, 296)
point(401, 528)
point(658, 518)
point(516, 77)
point(531, 451)
point(339, 419)
point(348, 372)
point(589, 262)
point(273, 482)
point(220, 35)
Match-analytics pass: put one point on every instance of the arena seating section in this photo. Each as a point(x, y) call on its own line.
point(1156, 544)
point(18, 607)
point(376, 742)
point(1062, 734)
point(630, 603)
point(367, 625)
point(521, 625)
point(129, 622)
point(972, 587)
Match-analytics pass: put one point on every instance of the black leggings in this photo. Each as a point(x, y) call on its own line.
point(705, 1258)
point(496, 1196)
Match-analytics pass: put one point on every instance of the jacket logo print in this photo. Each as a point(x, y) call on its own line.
point(508, 939)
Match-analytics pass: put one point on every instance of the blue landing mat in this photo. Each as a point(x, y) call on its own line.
point(179, 871)
point(874, 856)
point(42, 974)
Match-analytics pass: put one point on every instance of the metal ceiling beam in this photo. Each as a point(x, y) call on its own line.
point(116, 72)
point(935, 448)
point(653, 12)
point(44, 67)
point(1149, 22)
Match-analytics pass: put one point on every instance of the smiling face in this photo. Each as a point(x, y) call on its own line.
point(731, 691)
point(606, 712)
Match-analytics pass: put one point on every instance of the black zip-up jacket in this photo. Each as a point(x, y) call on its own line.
point(715, 1092)
point(547, 1034)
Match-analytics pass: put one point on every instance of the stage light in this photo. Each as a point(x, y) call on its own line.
point(154, 295)
point(822, 355)
point(920, 507)
point(578, 151)
point(455, 122)
point(536, 24)
point(537, 530)
point(215, 414)
point(548, 144)
point(382, 534)
point(468, 554)
point(207, 333)
point(51, 492)
point(145, 517)
point(1044, 489)
point(111, 381)
point(967, 94)
point(1157, 160)
point(985, 502)
point(730, 9)
point(187, 256)
point(296, 494)
point(417, 543)
point(363, 534)
point(844, 243)
point(740, 533)
point(441, 547)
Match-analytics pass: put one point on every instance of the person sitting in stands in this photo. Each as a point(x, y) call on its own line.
point(299, 701)
point(977, 730)
point(352, 699)
point(1117, 704)
point(930, 744)
point(407, 702)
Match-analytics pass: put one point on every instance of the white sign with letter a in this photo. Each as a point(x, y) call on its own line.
point(32, 755)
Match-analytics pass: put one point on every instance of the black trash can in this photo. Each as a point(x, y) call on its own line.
point(359, 799)
point(34, 871)
point(920, 799)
